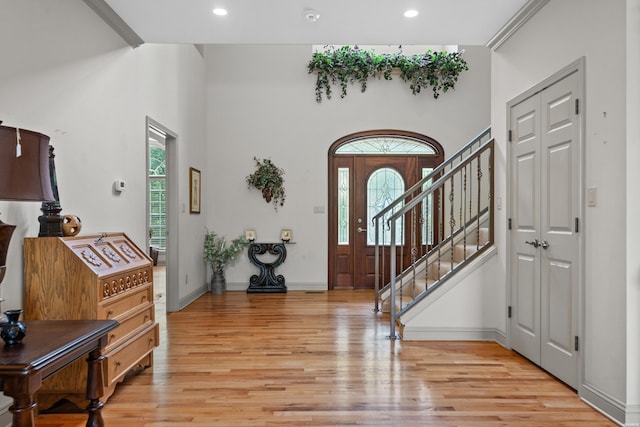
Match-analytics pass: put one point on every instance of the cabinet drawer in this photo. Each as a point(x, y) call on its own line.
point(115, 285)
point(130, 325)
point(119, 305)
point(119, 361)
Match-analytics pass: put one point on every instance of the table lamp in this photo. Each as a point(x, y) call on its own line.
point(24, 175)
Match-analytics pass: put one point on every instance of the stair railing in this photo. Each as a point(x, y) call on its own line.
point(457, 196)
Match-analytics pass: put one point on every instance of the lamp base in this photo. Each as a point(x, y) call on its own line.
point(50, 220)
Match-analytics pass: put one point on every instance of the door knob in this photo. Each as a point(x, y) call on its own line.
point(361, 230)
point(535, 243)
point(544, 244)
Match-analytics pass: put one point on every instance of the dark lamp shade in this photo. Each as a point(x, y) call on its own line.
point(24, 178)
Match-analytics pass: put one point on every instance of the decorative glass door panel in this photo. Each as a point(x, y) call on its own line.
point(378, 182)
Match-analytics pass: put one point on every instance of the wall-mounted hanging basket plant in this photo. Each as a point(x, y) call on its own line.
point(268, 179)
point(347, 65)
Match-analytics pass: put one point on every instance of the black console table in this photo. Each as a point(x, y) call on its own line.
point(267, 281)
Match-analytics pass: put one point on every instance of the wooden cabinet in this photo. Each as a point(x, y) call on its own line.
point(92, 277)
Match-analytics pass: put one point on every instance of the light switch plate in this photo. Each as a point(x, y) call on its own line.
point(592, 196)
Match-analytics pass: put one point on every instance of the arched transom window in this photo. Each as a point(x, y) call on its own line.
point(387, 145)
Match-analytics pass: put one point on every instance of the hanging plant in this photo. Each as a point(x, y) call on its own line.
point(348, 65)
point(268, 179)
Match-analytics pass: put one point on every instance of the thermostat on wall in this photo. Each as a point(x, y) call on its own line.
point(119, 185)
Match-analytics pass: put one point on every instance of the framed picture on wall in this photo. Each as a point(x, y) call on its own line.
point(194, 190)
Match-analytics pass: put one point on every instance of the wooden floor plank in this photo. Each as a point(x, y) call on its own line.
point(324, 359)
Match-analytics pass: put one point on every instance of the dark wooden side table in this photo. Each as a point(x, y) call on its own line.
point(49, 346)
point(267, 281)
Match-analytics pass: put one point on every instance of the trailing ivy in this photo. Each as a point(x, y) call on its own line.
point(348, 65)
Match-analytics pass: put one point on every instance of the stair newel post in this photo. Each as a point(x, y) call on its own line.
point(392, 271)
point(460, 200)
point(441, 225)
point(376, 228)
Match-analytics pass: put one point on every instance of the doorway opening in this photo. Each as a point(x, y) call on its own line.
point(367, 171)
point(162, 214)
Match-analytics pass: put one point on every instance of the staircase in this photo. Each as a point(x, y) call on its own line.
point(435, 229)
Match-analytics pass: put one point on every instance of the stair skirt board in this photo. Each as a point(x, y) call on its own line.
point(445, 287)
point(407, 287)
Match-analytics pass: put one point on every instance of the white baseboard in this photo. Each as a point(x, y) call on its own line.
point(188, 299)
point(306, 286)
point(605, 404)
point(452, 334)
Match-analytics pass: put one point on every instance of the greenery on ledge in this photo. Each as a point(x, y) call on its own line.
point(347, 65)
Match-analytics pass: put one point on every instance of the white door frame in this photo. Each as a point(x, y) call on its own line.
point(576, 67)
point(171, 156)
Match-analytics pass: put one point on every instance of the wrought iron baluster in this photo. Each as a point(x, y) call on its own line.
point(463, 203)
point(478, 209)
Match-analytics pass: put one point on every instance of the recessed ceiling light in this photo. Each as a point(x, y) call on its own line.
point(411, 13)
point(218, 11)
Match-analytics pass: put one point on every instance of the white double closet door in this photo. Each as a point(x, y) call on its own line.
point(545, 169)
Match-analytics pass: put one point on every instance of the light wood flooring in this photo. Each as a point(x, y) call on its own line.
point(323, 359)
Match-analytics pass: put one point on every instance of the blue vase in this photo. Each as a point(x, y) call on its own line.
point(13, 331)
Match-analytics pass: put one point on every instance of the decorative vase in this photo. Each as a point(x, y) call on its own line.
point(218, 283)
point(13, 331)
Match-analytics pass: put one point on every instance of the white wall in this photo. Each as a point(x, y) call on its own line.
point(633, 206)
point(261, 102)
point(562, 32)
point(66, 74)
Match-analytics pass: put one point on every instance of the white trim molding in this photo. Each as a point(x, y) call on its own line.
point(519, 19)
point(108, 15)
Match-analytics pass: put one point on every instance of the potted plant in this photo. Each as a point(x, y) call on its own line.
point(217, 253)
point(268, 179)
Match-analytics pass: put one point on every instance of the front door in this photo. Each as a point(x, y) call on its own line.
point(361, 183)
point(545, 240)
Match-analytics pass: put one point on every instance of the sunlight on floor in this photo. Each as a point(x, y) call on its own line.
point(160, 293)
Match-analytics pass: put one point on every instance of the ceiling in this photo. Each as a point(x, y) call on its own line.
point(363, 22)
